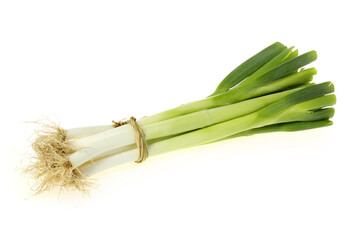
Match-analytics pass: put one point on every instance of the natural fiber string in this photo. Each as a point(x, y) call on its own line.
point(139, 137)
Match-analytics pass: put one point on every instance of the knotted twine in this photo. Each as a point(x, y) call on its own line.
point(139, 137)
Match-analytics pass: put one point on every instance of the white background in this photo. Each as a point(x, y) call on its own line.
point(89, 62)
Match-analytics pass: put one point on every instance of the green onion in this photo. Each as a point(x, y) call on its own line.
point(269, 92)
point(283, 127)
point(277, 112)
point(99, 145)
point(271, 81)
point(296, 106)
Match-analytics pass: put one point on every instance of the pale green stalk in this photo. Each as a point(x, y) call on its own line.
point(282, 127)
point(297, 106)
point(286, 109)
point(110, 142)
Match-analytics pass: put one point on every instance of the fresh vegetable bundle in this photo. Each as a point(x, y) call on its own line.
point(269, 92)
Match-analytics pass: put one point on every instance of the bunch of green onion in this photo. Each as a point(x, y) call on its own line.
point(269, 92)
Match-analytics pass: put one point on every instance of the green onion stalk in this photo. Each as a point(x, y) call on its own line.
point(269, 92)
point(305, 105)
